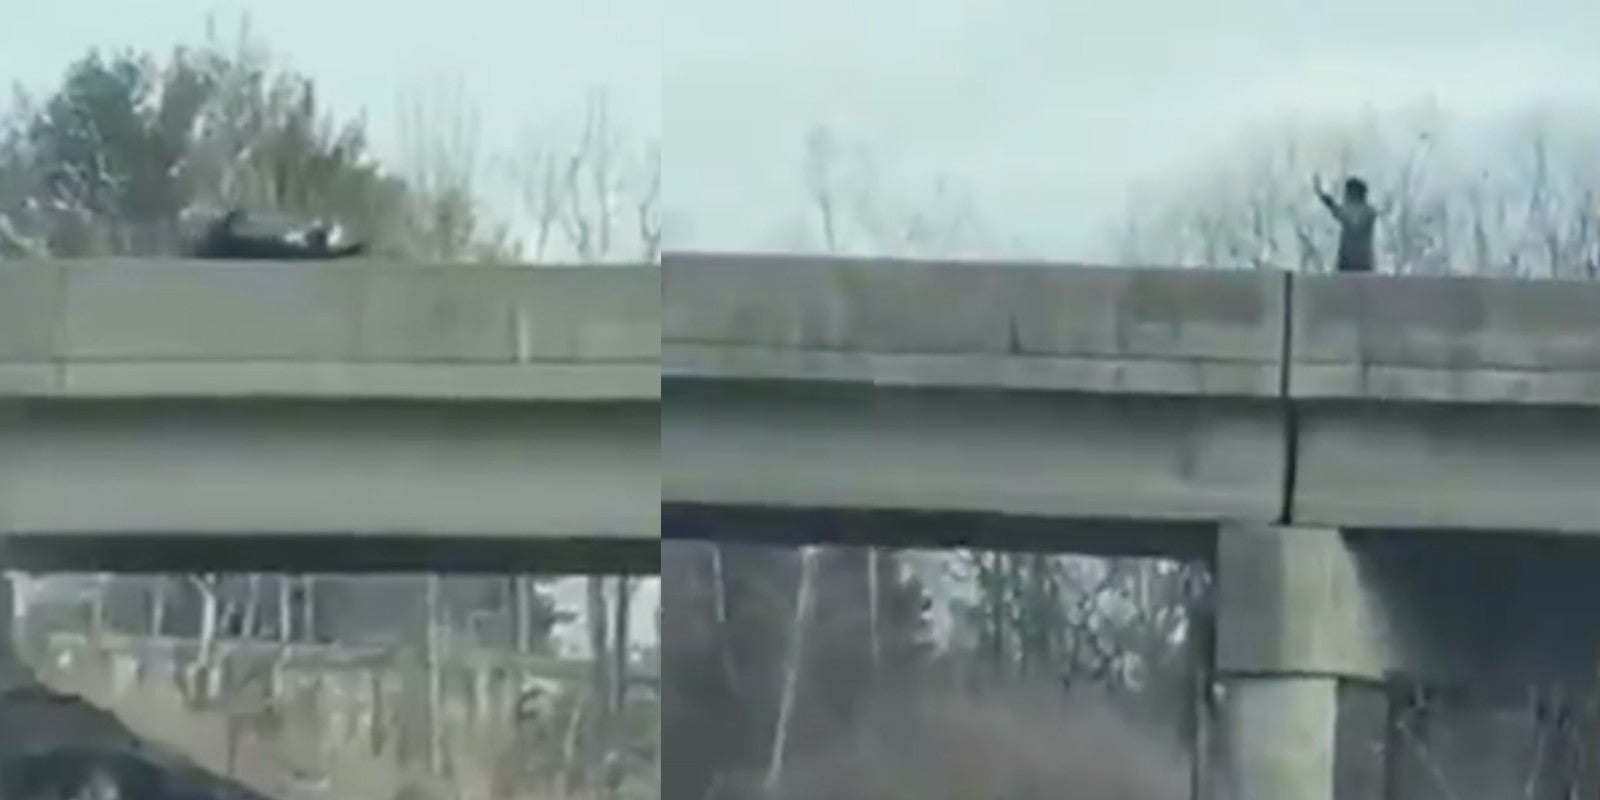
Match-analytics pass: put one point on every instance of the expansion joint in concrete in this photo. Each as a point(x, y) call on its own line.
point(1291, 416)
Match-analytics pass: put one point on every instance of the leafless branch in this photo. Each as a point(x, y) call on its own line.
point(586, 192)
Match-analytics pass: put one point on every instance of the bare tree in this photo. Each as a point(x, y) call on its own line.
point(434, 649)
point(621, 646)
point(595, 199)
point(599, 729)
point(522, 597)
point(794, 664)
point(1518, 201)
point(199, 679)
point(442, 139)
point(856, 207)
point(308, 608)
point(252, 606)
point(158, 605)
point(285, 609)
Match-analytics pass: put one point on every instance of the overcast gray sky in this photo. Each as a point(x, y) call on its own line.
point(1049, 108)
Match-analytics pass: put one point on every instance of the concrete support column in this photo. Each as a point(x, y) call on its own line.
point(1296, 644)
point(1279, 735)
point(11, 668)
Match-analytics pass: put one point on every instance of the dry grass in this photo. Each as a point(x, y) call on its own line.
point(1011, 744)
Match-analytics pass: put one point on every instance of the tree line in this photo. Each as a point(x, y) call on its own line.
point(122, 156)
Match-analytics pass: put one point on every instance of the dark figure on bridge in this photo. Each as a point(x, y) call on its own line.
point(1357, 222)
point(224, 239)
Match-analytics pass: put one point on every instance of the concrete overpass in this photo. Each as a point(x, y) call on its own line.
point(1393, 478)
point(1134, 396)
point(328, 416)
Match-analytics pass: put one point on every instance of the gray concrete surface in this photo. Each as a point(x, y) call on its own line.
point(343, 329)
point(279, 467)
point(983, 325)
point(1281, 736)
point(352, 414)
point(1296, 601)
point(1066, 456)
point(1447, 467)
point(318, 485)
point(1456, 340)
point(1321, 400)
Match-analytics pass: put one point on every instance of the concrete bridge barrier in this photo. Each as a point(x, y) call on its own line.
point(343, 415)
point(341, 329)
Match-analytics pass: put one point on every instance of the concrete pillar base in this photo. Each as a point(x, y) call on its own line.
point(1303, 738)
point(1279, 737)
point(1301, 658)
point(12, 670)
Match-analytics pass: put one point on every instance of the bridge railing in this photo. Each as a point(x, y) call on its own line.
point(138, 327)
point(1262, 333)
point(1456, 339)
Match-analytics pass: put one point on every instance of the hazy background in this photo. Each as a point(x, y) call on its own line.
point(1052, 112)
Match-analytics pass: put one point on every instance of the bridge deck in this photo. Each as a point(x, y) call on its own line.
point(1140, 395)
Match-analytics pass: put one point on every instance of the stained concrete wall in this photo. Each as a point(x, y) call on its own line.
point(1084, 457)
point(354, 414)
point(993, 326)
point(1446, 403)
point(340, 473)
point(343, 329)
point(1448, 467)
point(1022, 390)
point(1454, 340)
point(1040, 325)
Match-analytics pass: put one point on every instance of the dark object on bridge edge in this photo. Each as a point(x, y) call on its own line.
point(224, 241)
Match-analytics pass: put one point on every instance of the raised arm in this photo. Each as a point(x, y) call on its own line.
point(1331, 204)
point(1327, 199)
